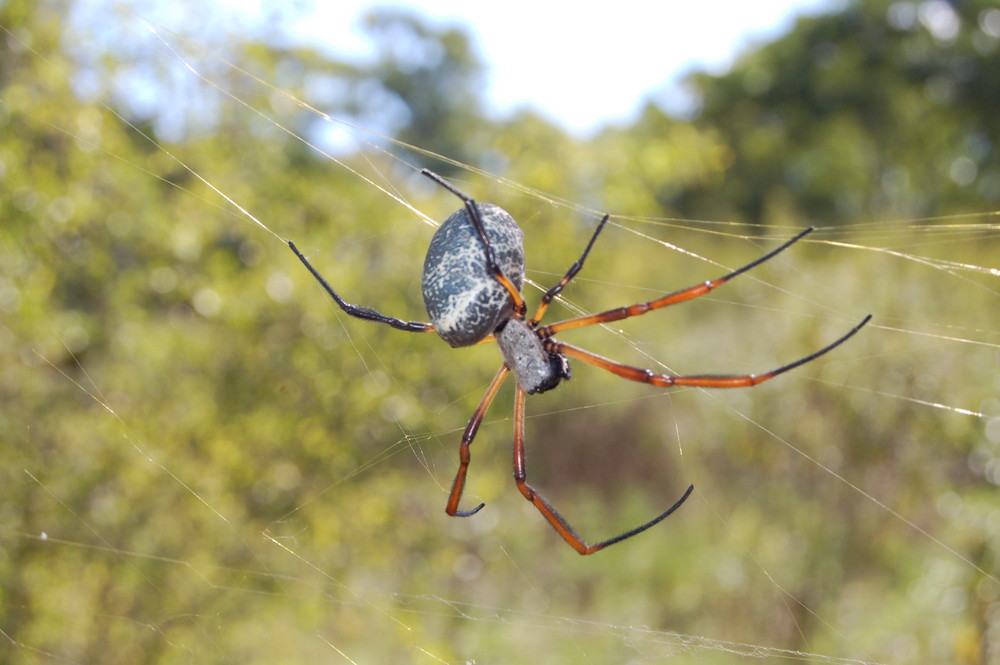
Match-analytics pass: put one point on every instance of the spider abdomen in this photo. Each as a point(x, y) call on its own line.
point(464, 301)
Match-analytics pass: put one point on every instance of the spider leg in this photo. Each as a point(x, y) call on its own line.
point(548, 512)
point(683, 295)
point(653, 378)
point(358, 311)
point(477, 223)
point(464, 455)
point(570, 274)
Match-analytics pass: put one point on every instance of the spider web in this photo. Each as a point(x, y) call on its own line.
point(387, 578)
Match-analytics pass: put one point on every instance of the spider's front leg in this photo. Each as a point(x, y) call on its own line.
point(561, 526)
point(464, 455)
point(701, 381)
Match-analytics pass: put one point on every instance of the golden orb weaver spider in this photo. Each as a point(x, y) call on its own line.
point(472, 281)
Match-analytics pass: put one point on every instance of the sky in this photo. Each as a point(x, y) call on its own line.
point(584, 67)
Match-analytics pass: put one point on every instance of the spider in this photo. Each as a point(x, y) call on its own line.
point(472, 279)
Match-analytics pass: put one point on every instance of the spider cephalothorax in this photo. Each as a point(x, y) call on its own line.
point(537, 369)
point(472, 281)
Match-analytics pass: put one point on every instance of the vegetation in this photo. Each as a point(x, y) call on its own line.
point(205, 461)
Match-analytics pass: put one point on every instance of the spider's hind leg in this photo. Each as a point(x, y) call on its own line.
point(358, 311)
point(570, 274)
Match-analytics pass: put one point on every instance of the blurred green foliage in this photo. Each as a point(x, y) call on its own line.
point(227, 469)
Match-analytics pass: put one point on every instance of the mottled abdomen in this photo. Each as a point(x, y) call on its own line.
point(463, 300)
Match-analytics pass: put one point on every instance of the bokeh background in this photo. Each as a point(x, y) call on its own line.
point(204, 460)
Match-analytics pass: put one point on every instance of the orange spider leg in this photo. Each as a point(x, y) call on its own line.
point(464, 455)
point(653, 378)
point(548, 512)
point(683, 295)
point(515, 296)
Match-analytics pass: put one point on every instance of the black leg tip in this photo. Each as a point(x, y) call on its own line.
point(469, 513)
